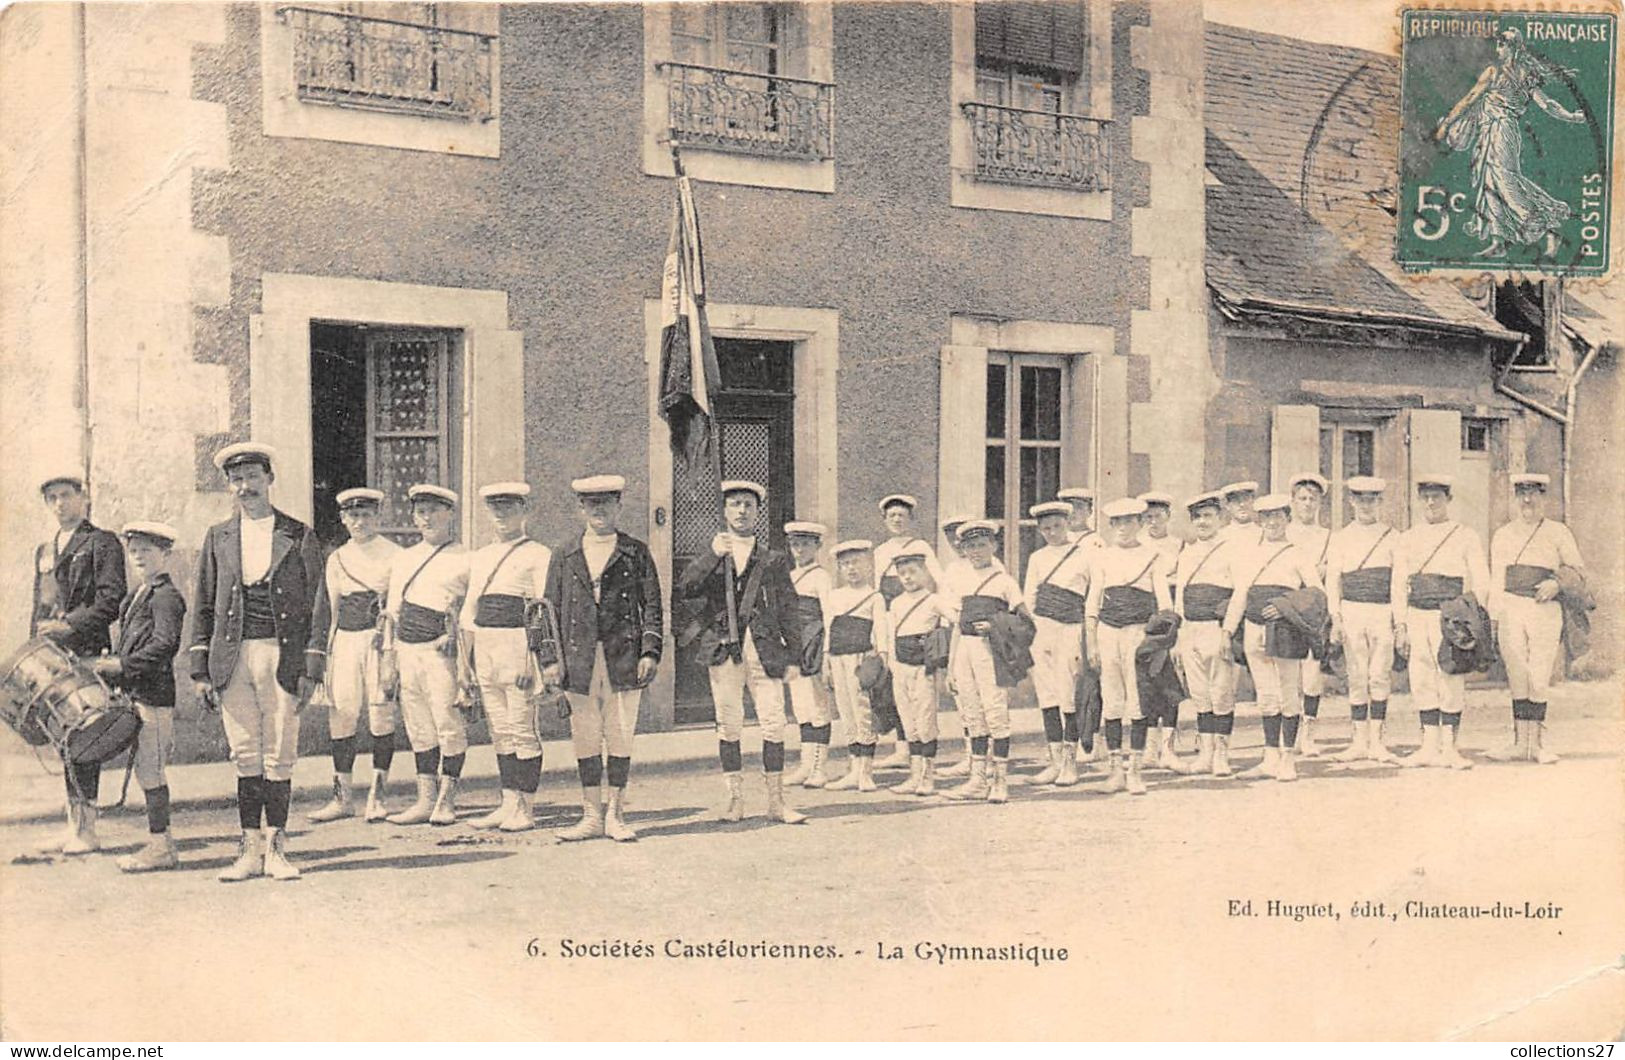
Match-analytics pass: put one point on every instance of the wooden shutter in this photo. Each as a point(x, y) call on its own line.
point(1294, 443)
point(1435, 447)
point(1044, 33)
point(961, 428)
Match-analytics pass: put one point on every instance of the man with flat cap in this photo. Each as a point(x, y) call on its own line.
point(1081, 522)
point(601, 642)
point(505, 578)
point(1363, 594)
point(1203, 582)
point(1308, 493)
point(1057, 584)
point(356, 579)
point(258, 576)
point(809, 695)
point(1526, 556)
point(752, 634)
point(1241, 522)
point(78, 585)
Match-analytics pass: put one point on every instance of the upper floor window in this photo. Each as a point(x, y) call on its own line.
point(737, 82)
point(411, 58)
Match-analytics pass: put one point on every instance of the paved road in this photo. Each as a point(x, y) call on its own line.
point(423, 932)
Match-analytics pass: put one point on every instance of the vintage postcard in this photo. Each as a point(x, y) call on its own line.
point(815, 520)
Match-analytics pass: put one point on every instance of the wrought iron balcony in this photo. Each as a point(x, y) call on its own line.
point(757, 114)
point(383, 64)
point(1035, 147)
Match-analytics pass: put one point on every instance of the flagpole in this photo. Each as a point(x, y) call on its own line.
point(731, 605)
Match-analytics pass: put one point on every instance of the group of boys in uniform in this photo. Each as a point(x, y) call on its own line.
point(433, 632)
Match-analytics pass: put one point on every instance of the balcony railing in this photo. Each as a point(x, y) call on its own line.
point(1035, 147)
point(757, 114)
point(383, 64)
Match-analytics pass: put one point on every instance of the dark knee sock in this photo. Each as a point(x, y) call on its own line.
point(865, 750)
point(1311, 706)
point(383, 751)
point(732, 760)
point(807, 732)
point(158, 810)
point(505, 773)
point(1224, 724)
point(1001, 747)
point(928, 748)
point(1289, 730)
point(978, 746)
point(88, 777)
point(428, 762)
point(1379, 710)
point(1520, 710)
point(1272, 730)
point(772, 756)
point(1052, 724)
point(343, 755)
point(1358, 711)
point(1429, 717)
point(452, 765)
point(1537, 712)
point(1452, 720)
point(620, 767)
point(278, 797)
point(1114, 735)
point(1204, 722)
point(1069, 728)
point(820, 734)
point(1136, 734)
point(591, 771)
point(250, 801)
point(526, 774)
point(914, 747)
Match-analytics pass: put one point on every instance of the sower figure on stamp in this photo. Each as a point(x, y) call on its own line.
point(143, 665)
point(600, 639)
point(504, 579)
point(1364, 593)
point(1308, 492)
point(1265, 610)
point(357, 577)
point(1527, 555)
point(752, 632)
point(78, 585)
point(427, 583)
point(1438, 560)
point(856, 630)
point(809, 695)
point(1203, 583)
point(258, 576)
point(897, 510)
point(1057, 587)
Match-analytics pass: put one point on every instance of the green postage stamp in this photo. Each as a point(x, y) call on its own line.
point(1507, 133)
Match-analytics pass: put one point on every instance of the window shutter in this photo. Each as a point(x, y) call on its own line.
point(1294, 443)
point(961, 428)
point(496, 375)
point(1435, 448)
point(1043, 33)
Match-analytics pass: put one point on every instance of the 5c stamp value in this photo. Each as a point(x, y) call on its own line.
point(1506, 140)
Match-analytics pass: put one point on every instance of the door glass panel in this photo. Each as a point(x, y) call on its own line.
point(993, 502)
point(997, 376)
point(1041, 404)
point(1040, 475)
point(1359, 453)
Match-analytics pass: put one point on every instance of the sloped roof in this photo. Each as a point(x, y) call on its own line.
point(1303, 138)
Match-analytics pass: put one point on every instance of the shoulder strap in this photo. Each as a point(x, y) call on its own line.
point(407, 587)
point(1061, 562)
point(1373, 550)
point(1148, 565)
point(494, 570)
point(910, 612)
point(746, 602)
point(1436, 548)
point(339, 559)
point(1527, 542)
point(1260, 572)
point(976, 591)
point(859, 604)
point(1202, 562)
point(801, 574)
point(1325, 546)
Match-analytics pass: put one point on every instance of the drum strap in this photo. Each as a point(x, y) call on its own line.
point(1385, 532)
point(1527, 542)
point(1050, 577)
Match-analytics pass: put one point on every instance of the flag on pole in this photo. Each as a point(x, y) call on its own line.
point(689, 376)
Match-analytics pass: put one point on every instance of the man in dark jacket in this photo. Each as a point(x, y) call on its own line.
point(258, 576)
point(600, 638)
point(752, 632)
point(78, 583)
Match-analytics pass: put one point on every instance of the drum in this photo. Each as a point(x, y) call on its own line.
point(49, 697)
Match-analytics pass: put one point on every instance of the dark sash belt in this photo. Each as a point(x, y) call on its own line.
point(499, 611)
point(810, 610)
point(1260, 596)
point(1429, 592)
point(1368, 585)
point(850, 635)
point(419, 625)
point(978, 608)
point(1058, 604)
point(911, 649)
point(891, 587)
point(358, 611)
point(1206, 603)
point(1522, 578)
point(1122, 606)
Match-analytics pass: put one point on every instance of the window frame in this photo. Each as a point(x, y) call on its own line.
point(1015, 518)
point(1339, 509)
point(443, 436)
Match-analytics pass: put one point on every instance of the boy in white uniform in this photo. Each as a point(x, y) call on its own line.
point(504, 579)
point(1438, 560)
point(897, 510)
point(977, 593)
point(953, 559)
point(809, 696)
point(1057, 587)
point(427, 583)
point(855, 628)
point(1162, 732)
point(1364, 593)
point(913, 617)
point(1308, 492)
point(1266, 572)
point(1525, 556)
point(1126, 588)
point(1203, 584)
point(356, 579)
